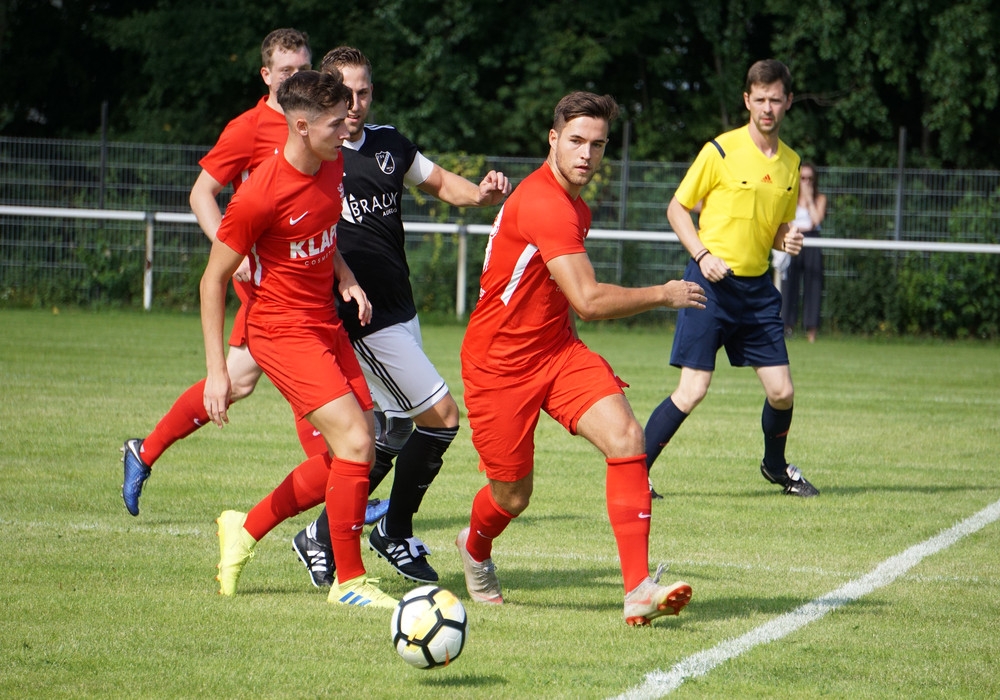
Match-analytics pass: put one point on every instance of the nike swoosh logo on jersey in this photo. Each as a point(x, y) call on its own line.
point(645, 516)
point(292, 222)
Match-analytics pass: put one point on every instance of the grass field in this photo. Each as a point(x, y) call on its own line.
point(901, 437)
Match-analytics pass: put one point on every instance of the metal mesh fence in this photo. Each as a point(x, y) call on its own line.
point(58, 260)
point(864, 202)
point(87, 174)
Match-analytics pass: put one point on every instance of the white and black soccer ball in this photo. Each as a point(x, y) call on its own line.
point(429, 627)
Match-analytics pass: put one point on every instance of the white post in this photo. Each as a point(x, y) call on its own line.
point(147, 273)
point(900, 176)
point(460, 272)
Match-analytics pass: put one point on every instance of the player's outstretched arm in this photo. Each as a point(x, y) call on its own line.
point(222, 262)
point(457, 191)
point(593, 300)
point(348, 288)
point(684, 295)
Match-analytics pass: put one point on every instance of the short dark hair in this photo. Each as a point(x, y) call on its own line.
point(812, 167)
point(313, 92)
point(286, 39)
point(345, 56)
point(584, 104)
point(767, 71)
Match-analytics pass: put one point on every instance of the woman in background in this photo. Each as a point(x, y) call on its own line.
point(806, 268)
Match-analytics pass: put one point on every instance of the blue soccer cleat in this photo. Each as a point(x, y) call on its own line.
point(136, 473)
point(375, 509)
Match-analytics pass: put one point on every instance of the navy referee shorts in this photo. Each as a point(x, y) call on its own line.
point(743, 314)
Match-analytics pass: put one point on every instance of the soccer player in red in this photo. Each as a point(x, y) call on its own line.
point(521, 355)
point(284, 219)
point(416, 417)
point(247, 140)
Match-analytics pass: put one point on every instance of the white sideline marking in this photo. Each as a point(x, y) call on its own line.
point(660, 683)
point(101, 527)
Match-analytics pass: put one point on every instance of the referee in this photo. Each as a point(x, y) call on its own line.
point(747, 181)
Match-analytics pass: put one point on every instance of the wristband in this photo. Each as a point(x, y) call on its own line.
point(699, 256)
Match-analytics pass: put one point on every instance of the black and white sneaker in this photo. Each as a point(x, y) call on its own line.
point(652, 492)
point(408, 556)
point(317, 558)
point(792, 480)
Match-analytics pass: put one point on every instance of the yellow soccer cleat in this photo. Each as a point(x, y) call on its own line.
point(236, 549)
point(360, 591)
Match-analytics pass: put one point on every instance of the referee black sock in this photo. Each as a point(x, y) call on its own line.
point(665, 420)
point(775, 423)
point(418, 463)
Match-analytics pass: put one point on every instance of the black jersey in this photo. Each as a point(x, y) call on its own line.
point(370, 232)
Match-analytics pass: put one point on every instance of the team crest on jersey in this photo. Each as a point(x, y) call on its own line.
point(385, 162)
point(349, 205)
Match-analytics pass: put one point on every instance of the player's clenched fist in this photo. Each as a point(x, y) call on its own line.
point(792, 242)
point(685, 295)
point(494, 187)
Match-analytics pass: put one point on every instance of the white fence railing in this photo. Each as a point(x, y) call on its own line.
point(462, 231)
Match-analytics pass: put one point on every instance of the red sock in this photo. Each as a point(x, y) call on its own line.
point(184, 417)
point(629, 509)
point(346, 498)
point(300, 491)
point(311, 439)
point(487, 522)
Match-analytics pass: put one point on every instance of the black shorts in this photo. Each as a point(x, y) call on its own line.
point(742, 314)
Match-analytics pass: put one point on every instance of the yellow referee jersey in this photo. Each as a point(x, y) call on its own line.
point(746, 196)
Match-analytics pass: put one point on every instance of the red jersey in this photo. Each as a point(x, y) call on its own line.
point(246, 142)
point(286, 222)
point(521, 313)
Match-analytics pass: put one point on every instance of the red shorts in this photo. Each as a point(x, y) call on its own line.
point(238, 336)
point(504, 407)
point(310, 362)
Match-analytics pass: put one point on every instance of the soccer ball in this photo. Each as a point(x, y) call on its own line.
point(428, 627)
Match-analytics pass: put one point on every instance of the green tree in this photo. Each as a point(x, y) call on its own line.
point(58, 70)
point(483, 78)
point(868, 68)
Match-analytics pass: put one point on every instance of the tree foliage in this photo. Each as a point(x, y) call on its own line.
point(484, 77)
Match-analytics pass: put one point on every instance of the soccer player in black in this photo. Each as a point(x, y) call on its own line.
point(417, 417)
